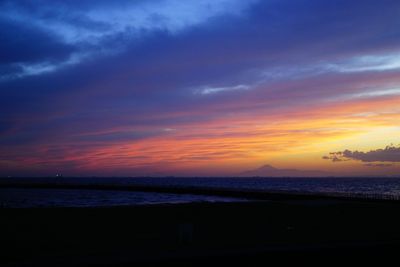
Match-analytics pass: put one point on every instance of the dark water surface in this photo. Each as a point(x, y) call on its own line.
point(28, 198)
point(18, 197)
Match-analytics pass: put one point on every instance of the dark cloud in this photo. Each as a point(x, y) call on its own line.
point(25, 43)
point(388, 154)
point(378, 165)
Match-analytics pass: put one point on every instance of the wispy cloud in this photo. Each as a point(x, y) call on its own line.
point(95, 29)
point(367, 63)
point(102, 21)
point(32, 69)
point(208, 90)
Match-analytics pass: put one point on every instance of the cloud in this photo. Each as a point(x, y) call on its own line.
point(378, 165)
point(24, 47)
point(98, 21)
point(368, 63)
point(213, 90)
point(388, 154)
point(22, 42)
point(90, 27)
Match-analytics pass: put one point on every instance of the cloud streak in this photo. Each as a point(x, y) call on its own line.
point(214, 90)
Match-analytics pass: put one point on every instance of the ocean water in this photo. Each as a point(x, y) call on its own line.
point(17, 197)
point(29, 198)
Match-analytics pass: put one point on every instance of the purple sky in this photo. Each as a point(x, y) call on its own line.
point(202, 87)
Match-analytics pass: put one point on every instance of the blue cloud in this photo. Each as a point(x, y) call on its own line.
point(90, 30)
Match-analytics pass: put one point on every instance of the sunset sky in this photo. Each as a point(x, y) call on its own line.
point(199, 87)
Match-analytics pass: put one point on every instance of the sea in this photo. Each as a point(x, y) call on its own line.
point(16, 197)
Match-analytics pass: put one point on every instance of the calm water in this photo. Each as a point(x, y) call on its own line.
point(52, 197)
point(27, 198)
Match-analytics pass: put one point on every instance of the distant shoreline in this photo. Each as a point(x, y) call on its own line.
point(204, 177)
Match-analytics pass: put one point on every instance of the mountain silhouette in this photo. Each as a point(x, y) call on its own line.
point(270, 171)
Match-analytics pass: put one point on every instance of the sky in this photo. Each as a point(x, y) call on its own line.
point(199, 87)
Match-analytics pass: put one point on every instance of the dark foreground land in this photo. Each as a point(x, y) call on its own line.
point(319, 231)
